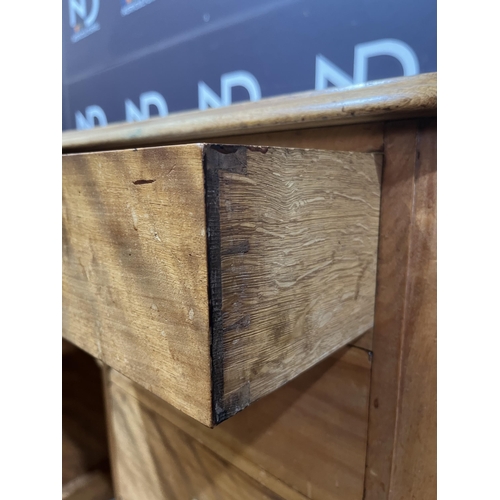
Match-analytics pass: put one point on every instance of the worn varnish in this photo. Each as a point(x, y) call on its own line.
point(306, 440)
point(297, 266)
point(212, 275)
point(135, 268)
point(375, 101)
point(363, 138)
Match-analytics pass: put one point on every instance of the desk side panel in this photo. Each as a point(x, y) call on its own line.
point(298, 235)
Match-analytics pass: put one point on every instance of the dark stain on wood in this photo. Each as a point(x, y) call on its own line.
point(143, 181)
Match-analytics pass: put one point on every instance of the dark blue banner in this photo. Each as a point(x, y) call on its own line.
point(132, 59)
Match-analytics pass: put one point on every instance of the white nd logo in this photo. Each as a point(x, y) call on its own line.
point(81, 20)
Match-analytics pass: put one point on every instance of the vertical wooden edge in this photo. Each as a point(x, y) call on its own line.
point(415, 452)
point(214, 279)
point(396, 212)
point(108, 405)
point(232, 159)
point(379, 164)
point(400, 262)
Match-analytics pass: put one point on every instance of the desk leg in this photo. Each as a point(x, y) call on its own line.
point(401, 458)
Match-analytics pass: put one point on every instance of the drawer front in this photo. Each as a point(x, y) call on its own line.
point(135, 289)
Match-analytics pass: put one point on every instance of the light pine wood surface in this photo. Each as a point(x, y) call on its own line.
point(306, 440)
point(157, 460)
point(212, 275)
point(135, 268)
point(362, 138)
point(297, 266)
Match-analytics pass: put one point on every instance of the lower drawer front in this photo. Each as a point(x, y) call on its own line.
point(306, 440)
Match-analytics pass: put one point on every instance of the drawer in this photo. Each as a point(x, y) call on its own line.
point(211, 275)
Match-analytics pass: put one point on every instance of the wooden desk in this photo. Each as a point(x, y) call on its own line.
point(207, 277)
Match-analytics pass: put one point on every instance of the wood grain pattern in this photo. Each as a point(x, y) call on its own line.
point(415, 456)
point(393, 254)
point(298, 243)
point(362, 138)
point(375, 101)
point(292, 239)
point(306, 440)
point(156, 460)
point(134, 268)
point(402, 427)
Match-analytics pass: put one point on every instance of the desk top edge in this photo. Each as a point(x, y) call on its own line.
point(395, 98)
